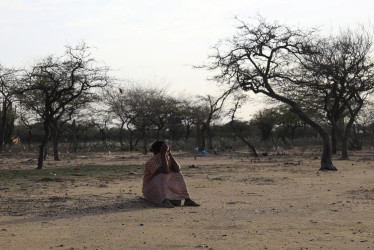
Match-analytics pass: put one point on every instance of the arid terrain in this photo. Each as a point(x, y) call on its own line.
point(280, 201)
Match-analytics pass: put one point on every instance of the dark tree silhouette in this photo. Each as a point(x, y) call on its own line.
point(56, 85)
point(8, 79)
point(262, 58)
point(235, 125)
point(342, 76)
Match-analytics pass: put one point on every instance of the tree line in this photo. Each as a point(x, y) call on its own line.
point(315, 82)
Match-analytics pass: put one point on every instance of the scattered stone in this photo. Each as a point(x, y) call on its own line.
point(51, 179)
point(77, 174)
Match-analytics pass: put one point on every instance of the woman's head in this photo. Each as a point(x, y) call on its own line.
point(156, 146)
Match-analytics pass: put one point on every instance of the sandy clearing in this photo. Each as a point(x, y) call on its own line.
point(277, 202)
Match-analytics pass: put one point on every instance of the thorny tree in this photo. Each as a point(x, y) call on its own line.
point(261, 58)
point(208, 110)
point(136, 106)
point(8, 79)
point(115, 99)
point(65, 115)
point(56, 84)
point(341, 77)
point(236, 125)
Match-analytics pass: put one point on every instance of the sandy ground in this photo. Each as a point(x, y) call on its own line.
point(275, 202)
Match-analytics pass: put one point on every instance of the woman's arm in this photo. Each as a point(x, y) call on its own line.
point(165, 168)
point(175, 167)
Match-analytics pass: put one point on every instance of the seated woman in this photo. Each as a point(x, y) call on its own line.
point(163, 180)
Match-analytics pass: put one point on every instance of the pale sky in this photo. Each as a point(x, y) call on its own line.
point(154, 40)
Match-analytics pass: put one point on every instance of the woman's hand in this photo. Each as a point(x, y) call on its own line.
point(165, 168)
point(165, 149)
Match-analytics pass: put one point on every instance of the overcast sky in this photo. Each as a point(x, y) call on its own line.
point(154, 40)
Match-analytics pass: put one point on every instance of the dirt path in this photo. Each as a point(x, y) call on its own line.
point(277, 202)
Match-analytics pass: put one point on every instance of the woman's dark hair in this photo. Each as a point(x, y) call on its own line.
point(156, 146)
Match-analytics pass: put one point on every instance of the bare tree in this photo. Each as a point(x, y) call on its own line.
point(236, 125)
point(262, 58)
point(164, 107)
point(208, 110)
point(8, 79)
point(188, 112)
point(115, 97)
point(140, 109)
point(63, 116)
point(343, 74)
point(55, 83)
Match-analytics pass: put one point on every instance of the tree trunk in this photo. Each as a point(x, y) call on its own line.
point(3, 117)
point(348, 128)
point(29, 138)
point(333, 140)
point(198, 136)
point(347, 132)
point(41, 154)
point(243, 139)
point(209, 134)
point(131, 147)
point(74, 140)
point(135, 143)
point(145, 150)
point(45, 151)
point(103, 136)
point(251, 147)
point(55, 148)
point(130, 138)
point(344, 149)
point(121, 135)
point(202, 138)
point(188, 131)
point(55, 138)
point(293, 131)
point(326, 158)
point(85, 137)
point(43, 144)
